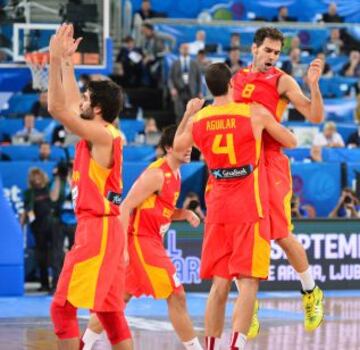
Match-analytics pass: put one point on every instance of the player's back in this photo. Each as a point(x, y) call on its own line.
point(92, 184)
point(225, 137)
point(153, 216)
point(261, 87)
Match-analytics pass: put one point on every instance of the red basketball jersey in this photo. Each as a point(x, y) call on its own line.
point(153, 216)
point(91, 182)
point(261, 87)
point(224, 136)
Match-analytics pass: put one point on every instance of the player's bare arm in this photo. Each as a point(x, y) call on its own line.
point(186, 215)
point(73, 96)
point(150, 182)
point(90, 130)
point(262, 119)
point(183, 137)
point(313, 108)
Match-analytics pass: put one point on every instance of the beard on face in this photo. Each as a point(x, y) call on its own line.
point(87, 114)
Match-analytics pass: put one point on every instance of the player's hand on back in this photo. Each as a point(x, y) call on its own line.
point(315, 71)
point(192, 218)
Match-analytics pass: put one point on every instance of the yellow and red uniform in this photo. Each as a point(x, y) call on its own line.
point(262, 88)
point(236, 241)
point(93, 274)
point(151, 271)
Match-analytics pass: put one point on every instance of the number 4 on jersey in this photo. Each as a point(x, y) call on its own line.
point(228, 148)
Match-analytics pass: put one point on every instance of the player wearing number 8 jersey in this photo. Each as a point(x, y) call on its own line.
point(236, 239)
point(262, 82)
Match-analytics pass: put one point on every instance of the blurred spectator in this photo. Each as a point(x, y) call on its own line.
point(233, 61)
point(130, 59)
point(28, 135)
point(297, 210)
point(327, 72)
point(354, 139)
point(184, 81)
point(294, 67)
point(192, 202)
point(316, 154)
point(347, 205)
point(202, 60)
point(40, 108)
point(352, 68)
point(45, 152)
point(334, 44)
point(235, 41)
point(38, 214)
point(64, 217)
point(58, 136)
point(145, 11)
point(357, 110)
point(331, 16)
point(329, 137)
point(151, 131)
point(153, 47)
point(198, 44)
point(282, 15)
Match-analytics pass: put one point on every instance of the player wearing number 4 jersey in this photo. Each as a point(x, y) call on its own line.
point(236, 240)
point(151, 203)
point(262, 82)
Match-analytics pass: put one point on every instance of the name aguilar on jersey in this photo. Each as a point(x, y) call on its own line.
point(221, 124)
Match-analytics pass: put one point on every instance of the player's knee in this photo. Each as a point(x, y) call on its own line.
point(177, 300)
point(64, 320)
point(250, 285)
point(220, 291)
point(115, 325)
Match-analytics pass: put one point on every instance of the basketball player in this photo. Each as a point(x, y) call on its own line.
point(262, 82)
point(236, 240)
point(150, 207)
point(93, 274)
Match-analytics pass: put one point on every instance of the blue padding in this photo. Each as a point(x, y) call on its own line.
point(11, 126)
point(317, 184)
point(20, 103)
point(138, 153)
point(339, 155)
point(345, 130)
point(298, 154)
point(31, 153)
point(11, 250)
point(131, 171)
point(352, 169)
point(131, 127)
point(14, 79)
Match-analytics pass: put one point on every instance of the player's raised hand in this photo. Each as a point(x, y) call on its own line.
point(315, 71)
point(192, 218)
point(194, 106)
point(56, 47)
point(70, 43)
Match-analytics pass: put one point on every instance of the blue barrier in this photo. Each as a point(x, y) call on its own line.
point(339, 155)
point(11, 251)
point(20, 103)
point(10, 126)
point(131, 127)
point(31, 153)
point(297, 154)
point(317, 184)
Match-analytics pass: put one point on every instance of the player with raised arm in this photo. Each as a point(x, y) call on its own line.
point(93, 274)
point(147, 211)
point(263, 83)
point(236, 239)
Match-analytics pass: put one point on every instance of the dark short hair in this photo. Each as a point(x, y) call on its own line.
point(148, 26)
point(128, 39)
point(167, 137)
point(268, 32)
point(108, 96)
point(217, 77)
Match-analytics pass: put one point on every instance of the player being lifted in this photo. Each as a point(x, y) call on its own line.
point(93, 274)
point(147, 211)
point(263, 83)
point(236, 239)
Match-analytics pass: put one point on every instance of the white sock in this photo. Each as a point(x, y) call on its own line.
point(192, 344)
point(307, 280)
point(103, 343)
point(238, 341)
point(89, 338)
